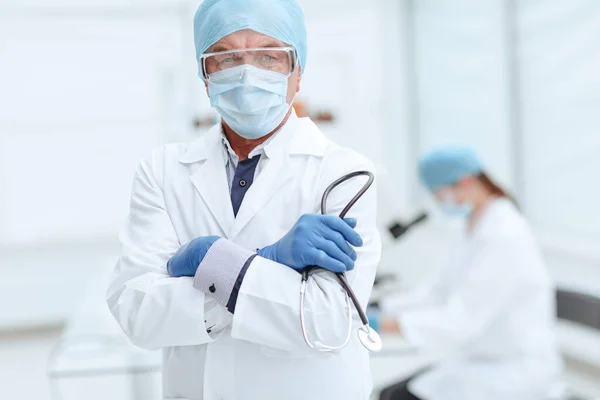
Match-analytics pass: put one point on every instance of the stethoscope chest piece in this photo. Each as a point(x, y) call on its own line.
point(369, 338)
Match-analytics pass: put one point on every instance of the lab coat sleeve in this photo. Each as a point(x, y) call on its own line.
point(479, 297)
point(268, 305)
point(153, 309)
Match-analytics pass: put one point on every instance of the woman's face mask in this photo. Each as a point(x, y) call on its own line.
point(447, 198)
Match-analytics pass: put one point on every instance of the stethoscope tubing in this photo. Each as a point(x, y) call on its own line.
point(341, 276)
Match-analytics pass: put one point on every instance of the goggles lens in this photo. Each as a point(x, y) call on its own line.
point(280, 59)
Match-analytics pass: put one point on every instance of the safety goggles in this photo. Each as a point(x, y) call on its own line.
point(277, 59)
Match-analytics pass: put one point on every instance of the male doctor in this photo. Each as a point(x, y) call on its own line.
point(219, 229)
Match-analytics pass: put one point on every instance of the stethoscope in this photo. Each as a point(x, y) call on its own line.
point(366, 335)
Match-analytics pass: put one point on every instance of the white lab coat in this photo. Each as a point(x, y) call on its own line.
point(493, 310)
point(180, 193)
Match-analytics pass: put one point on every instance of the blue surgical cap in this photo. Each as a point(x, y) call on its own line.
point(280, 19)
point(447, 165)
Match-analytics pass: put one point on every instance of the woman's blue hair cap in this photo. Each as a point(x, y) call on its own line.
point(445, 166)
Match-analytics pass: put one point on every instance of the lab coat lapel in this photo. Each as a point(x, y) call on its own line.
point(210, 181)
point(273, 177)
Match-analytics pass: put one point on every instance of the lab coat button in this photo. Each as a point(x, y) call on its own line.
point(212, 288)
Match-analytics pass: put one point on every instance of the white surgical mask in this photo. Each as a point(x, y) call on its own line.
point(252, 101)
point(452, 209)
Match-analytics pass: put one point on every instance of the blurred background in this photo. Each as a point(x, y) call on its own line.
point(89, 87)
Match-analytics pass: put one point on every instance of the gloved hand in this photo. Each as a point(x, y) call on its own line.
point(189, 256)
point(321, 240)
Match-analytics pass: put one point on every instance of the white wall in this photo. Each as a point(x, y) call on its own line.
point(356, 67)
point(86, 92)
point(462, 79)
point(559, 50)
point(81, 103)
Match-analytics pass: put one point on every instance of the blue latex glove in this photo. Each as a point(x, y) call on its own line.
point(189, 256)
point(321, 240)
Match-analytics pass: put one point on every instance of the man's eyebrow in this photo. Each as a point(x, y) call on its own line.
point(271, 45)
point(271, 42)
point(223, 47)
point(218, 47)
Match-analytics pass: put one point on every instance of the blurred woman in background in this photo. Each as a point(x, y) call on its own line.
point(492, 309)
